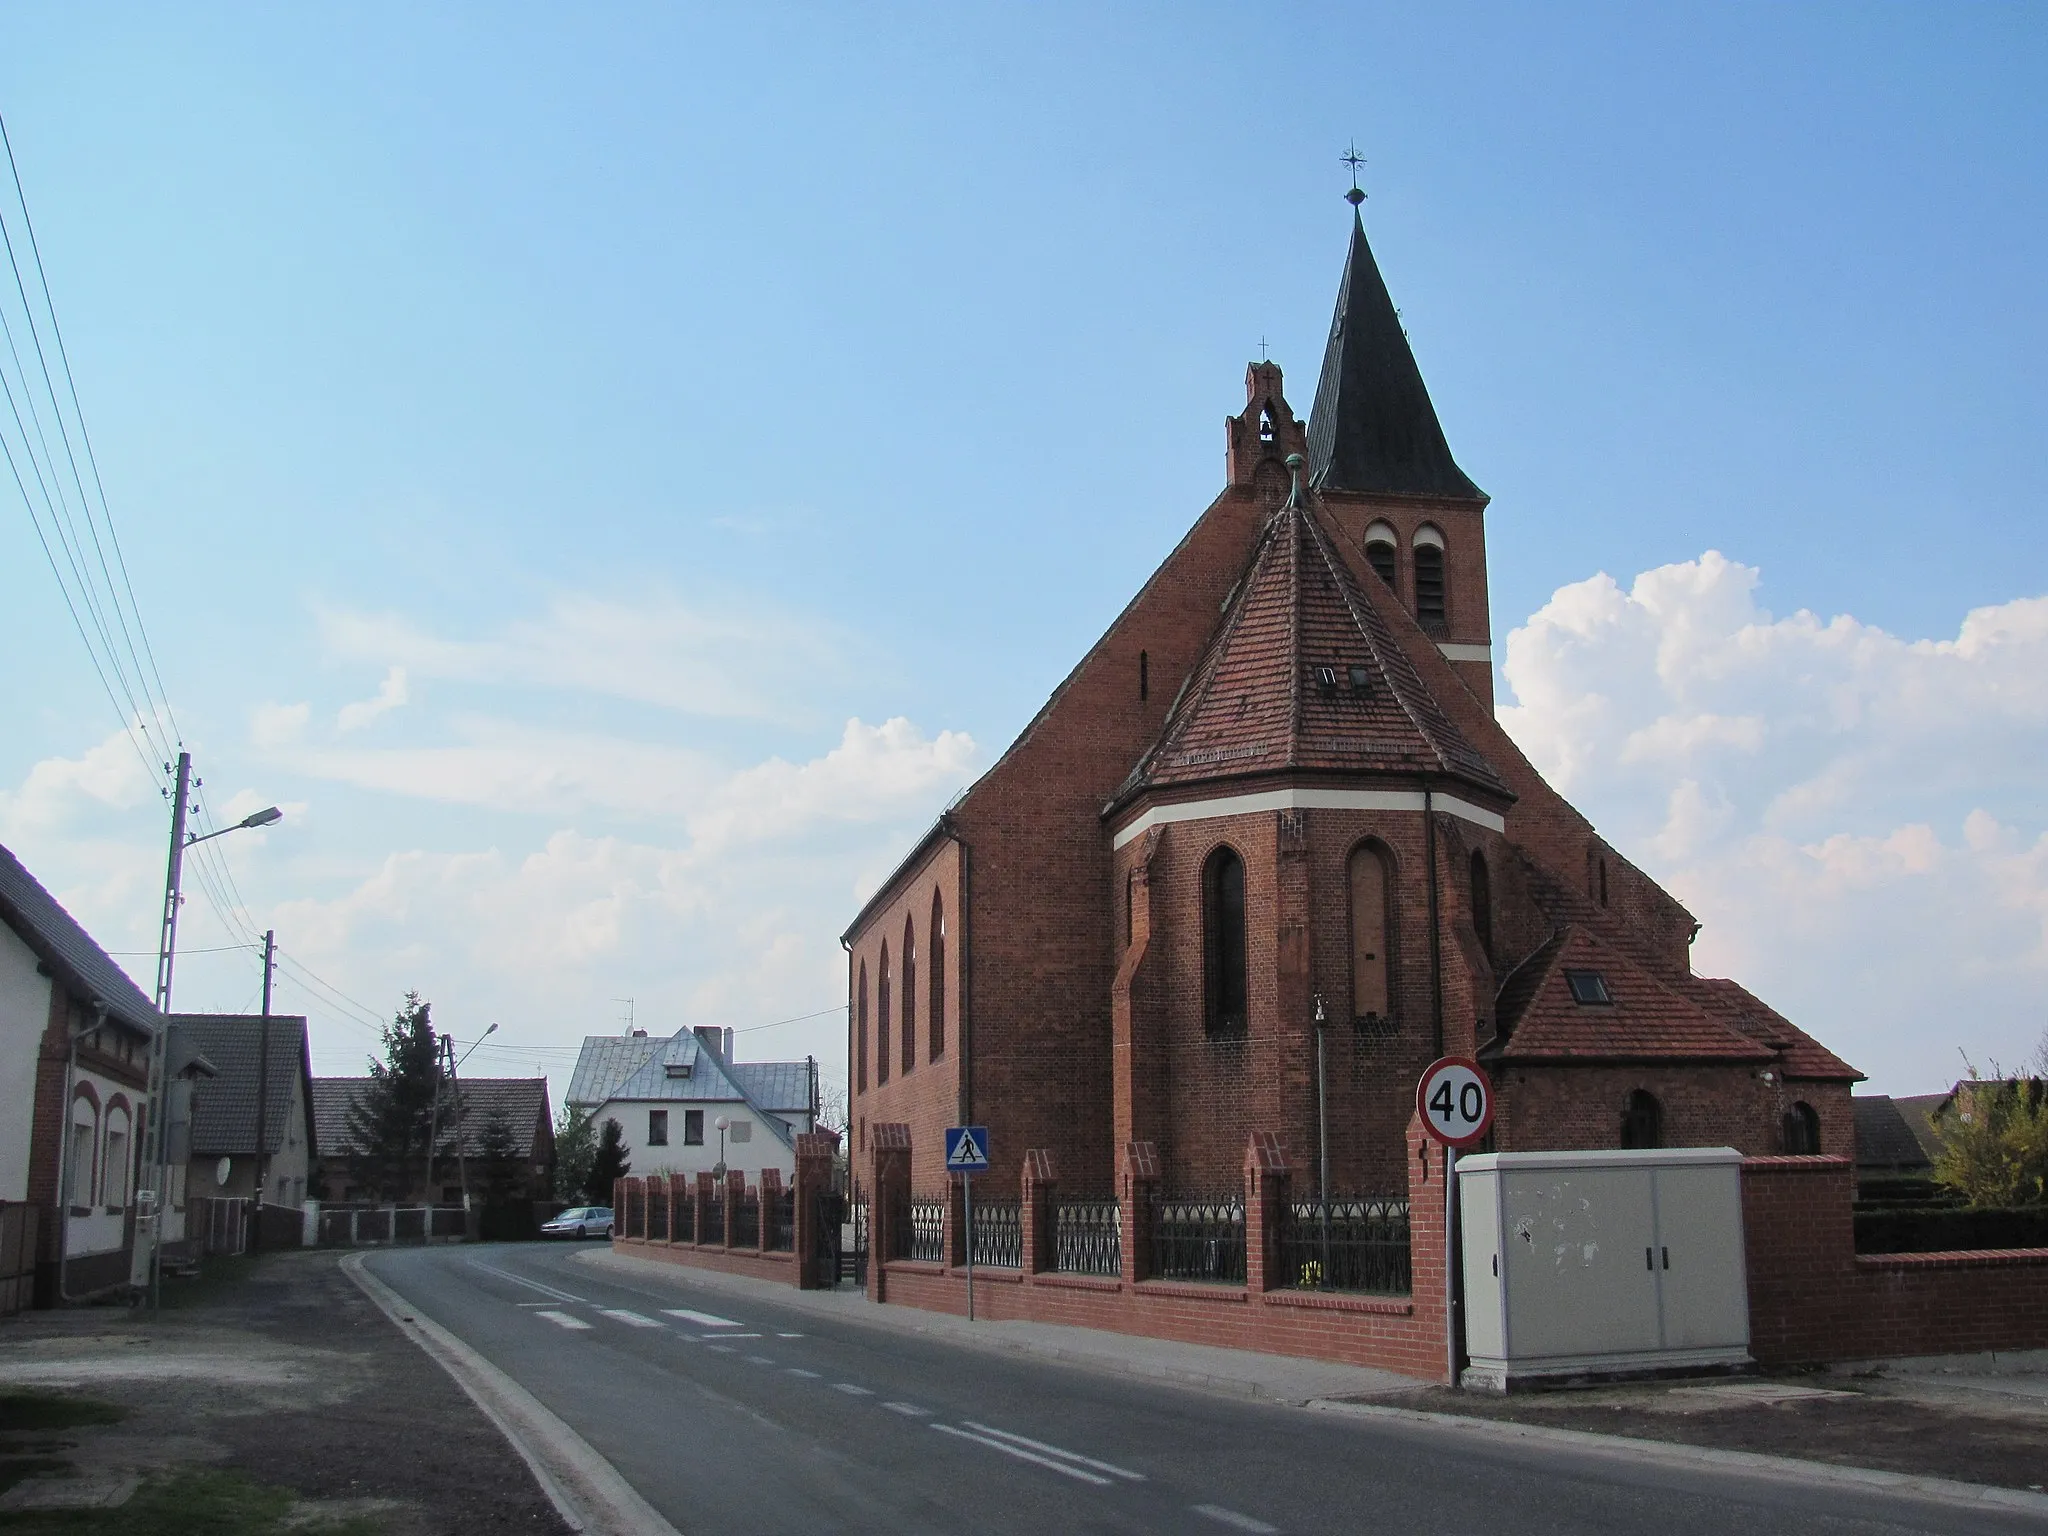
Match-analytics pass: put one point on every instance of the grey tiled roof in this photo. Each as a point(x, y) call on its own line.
point(784, 1086)
point(523, 1101)
point(224, 1106)
point(770, 1088)
point(61, 944)
point(606, 1062)
point(1883, 1138)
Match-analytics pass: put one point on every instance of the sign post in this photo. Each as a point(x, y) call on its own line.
point(1454, 1100)
point(967, 1155)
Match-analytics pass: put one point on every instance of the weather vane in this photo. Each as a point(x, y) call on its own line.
point(1354, 159)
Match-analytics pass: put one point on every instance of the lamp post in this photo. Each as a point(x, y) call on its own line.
point(1322, 1143)
point(721, 1123)
point(166, 956)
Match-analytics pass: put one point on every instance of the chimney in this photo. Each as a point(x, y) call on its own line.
point(728, 1045)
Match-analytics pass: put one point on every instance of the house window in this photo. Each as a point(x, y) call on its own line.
point(860, 1033)
point(1482, 902)
point(115, 1186)
point(909, 995)
point(657, 1127)
point(1588, 988)
point(1223, 956)
point(1431, 605)
point(1380, 552)
point(882, 1021)
point(741, 1132)
point(938, 970)
point(1801, 1131)
point(1370, 876)
point(1642, 1121)
point(693, 1127)
point(84, 1142)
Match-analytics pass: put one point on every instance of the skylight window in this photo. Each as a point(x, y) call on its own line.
point(1361, 681)
point(1588, 987)
point(1326, 680)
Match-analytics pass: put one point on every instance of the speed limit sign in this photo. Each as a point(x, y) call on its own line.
point(1455, 1101)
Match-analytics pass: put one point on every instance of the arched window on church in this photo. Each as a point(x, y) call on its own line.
point(860, 1033)
point(1382, 553)
point(1642, 1121)
point(1801, 1130)
point(1482, 902)
point(909, 994)
point(882, 1019)
point(938, 982)
point(1432, 606)
point(1223, 955)
point(1370, 875)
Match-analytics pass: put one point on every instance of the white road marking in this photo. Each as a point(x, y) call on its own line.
point(735, 1335)
point(759, 1360)
point(564, 1320)
point(797, 1370)
point(908, 1410)
point(701, 1319)
point(722, 1349)
point(1023, 1455)
point(789, 1335)
point(632, 1319)
point(1233, 1519)
point(851, 1390)
point(529, 1303)
point(531, 1285)
point(1054, 1450)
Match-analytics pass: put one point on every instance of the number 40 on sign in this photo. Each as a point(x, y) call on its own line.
point(1455, 1101)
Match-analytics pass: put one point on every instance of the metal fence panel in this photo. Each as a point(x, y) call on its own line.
point(998, 1235)
point(779, 1234)
point(1196, 1239)
point(746, 1221)
point(1357, 1243)
point(925, 1240)
point(1088, 1237)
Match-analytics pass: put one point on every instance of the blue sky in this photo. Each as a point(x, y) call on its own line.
point(661, 391)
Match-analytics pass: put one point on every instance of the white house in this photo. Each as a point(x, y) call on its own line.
point(685, 1106)
point(75, 1035)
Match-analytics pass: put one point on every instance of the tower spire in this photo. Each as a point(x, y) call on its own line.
point(1373, 427)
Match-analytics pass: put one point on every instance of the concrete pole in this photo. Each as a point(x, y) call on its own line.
point(263, 1085)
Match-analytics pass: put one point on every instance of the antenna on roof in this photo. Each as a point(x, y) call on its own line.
point(629, 1013)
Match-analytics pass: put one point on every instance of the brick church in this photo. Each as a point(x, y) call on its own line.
point(1271, 802)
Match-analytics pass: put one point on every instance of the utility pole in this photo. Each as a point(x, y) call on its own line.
point(461, 1117)
point(263, 1086)
point(166, 952)
point(433, 1127)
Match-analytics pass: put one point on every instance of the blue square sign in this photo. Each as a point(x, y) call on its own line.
point(967, 1149)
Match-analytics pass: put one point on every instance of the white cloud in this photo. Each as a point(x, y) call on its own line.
point(752, 663)
point(391, 694)
point(109, 776)
point(1855, 817)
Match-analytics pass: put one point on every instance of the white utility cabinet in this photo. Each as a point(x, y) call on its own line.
point(1601, 1263)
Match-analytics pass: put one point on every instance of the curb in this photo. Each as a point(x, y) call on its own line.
point(585, 1489)
point(1939, 1490)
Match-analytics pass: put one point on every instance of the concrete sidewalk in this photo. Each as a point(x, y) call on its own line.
point(1234, 1372)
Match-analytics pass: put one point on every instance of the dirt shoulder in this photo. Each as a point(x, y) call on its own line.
point(1873, 1420)
point(274, 1373)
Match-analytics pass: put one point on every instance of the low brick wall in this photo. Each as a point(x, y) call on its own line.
point(779, 1267)
point(1813, 1299)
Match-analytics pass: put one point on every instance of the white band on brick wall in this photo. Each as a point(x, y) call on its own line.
point(1306, 800)
point(1458, 652)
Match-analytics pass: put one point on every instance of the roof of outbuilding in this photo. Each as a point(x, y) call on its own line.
point(60, 943)
point(522, 1101)
point(1799, 1054)
point(224, 1105)
point(1254, 705)
point(1883, 1138)
point(1373, 427)
point(1644, 1021)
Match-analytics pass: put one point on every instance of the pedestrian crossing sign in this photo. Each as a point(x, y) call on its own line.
point(967, 1149)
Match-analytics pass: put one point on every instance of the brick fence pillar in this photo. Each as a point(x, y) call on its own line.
point(1429, 1255)
point(678, 1195)
point(1034, 1210)
point(1266, 1181)
point(811, 1186)
point(1136, 1185)
point(888, 1200)
point(771, 1201)
point(618, 1209)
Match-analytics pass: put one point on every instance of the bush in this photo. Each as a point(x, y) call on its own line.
point(1994, 1142)
point(1937, 1230)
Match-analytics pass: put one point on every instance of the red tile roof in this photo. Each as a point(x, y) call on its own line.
point(1253, 704)
point(1799, 1054)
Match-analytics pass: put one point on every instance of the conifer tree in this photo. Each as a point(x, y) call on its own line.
point(609, 1164)
point(387, 1124)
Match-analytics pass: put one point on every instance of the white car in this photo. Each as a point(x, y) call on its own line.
point(580, 1221)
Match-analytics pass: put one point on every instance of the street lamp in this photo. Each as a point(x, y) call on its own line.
point(722, 1122)
point(166, 955)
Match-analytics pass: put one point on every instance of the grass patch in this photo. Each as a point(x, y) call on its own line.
point(201, 1502)
point(219, 1275)
point(30, 1410)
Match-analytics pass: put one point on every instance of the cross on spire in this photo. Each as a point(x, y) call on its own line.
point(1262, 349)
point(1354, 159)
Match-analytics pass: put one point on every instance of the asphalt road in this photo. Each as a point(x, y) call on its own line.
point(734, 1417)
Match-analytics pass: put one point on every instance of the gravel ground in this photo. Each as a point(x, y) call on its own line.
point(280, 1369)
point(1892, 1424)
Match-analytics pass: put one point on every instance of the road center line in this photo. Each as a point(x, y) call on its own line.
point(701, 1319)
point(1235, 1521)
point(564, 1320)
point(1021, 1454)
point(531, 1285)
point(908, 1410)
point(631, 1319)
point(1054, 1450)
point(851, 1390)
point(797, 1370)
point(759, 1360)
